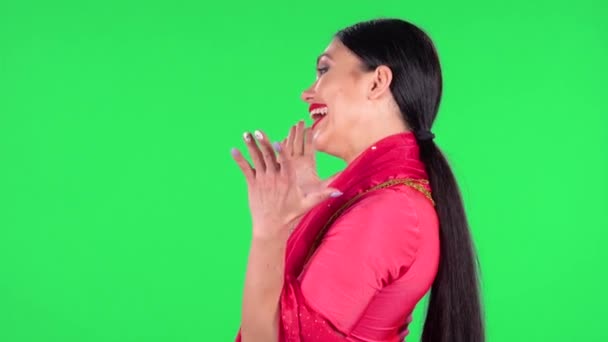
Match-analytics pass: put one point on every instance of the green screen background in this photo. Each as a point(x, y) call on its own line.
point(124, 218)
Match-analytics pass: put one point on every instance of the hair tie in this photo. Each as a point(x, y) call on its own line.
point(425, 135)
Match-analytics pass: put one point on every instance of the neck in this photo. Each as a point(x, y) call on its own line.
point(373, 134)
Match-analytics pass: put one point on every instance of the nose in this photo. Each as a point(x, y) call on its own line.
point(308, 95)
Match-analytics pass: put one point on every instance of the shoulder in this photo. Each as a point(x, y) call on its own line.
point(385, 218)
point(399, 204)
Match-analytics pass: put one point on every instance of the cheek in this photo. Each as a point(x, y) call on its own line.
point(347, 104)
point(343, 99)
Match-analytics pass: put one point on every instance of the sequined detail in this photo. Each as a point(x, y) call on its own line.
point(417, 184)
point(299, 322)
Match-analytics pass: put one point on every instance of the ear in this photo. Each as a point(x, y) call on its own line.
point(381, 82)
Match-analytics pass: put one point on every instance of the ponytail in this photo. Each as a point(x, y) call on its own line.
point(454, 307)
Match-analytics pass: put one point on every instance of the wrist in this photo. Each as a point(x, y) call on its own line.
point(270, 233)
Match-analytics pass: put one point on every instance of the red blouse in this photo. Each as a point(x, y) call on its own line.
point(375, 263)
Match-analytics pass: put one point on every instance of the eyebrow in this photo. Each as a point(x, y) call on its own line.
point(323, 54)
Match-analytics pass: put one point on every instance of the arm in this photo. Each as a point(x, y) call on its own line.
point(263, 284)
point(349, 251)
point(370, 246)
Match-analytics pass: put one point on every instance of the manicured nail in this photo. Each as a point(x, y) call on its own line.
point(247, 136)
point(235, 152)
point(336, 194)
point(258, 135)
point(277, 146)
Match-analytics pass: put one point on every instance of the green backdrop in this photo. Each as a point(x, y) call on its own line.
point(124, 218)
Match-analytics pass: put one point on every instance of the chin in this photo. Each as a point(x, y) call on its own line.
point(321, 145)
point(327, 140)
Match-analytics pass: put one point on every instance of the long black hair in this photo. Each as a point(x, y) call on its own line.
point(454, 312)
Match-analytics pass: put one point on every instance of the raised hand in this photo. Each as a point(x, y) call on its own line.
point(300, 152)
point(276, 200)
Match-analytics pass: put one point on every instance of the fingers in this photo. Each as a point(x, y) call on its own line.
point(308, 147)
point(299, 140)
point(244, 165)
point(268, 153)
point(262, 152)
point(254, 152)
point(298, 144)
point(281, 151)
point(290, 141)
point(263, 156)
point(311, 200)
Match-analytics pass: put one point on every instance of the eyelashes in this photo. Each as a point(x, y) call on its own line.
point(322, 70)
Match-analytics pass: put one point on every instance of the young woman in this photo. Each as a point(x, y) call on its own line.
point(349, 258)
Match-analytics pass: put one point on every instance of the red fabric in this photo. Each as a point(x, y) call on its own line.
point(376, 261)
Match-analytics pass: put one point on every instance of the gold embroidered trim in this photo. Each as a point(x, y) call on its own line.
point(417, 184)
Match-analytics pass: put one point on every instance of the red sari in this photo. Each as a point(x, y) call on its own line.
point(357, 265)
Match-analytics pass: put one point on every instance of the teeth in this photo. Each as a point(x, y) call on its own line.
point(321, 111)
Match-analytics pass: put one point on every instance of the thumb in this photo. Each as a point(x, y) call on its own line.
point(315, 198)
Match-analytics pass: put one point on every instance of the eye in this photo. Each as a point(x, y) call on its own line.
point(322, 70)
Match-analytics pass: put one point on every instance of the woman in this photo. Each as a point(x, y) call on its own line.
point(370, 242)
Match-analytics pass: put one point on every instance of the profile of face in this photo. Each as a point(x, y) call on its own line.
point(360, 108)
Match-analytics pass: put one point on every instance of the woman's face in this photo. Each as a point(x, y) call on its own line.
point(342, 87)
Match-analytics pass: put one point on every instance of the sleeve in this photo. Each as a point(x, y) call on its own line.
point(369, 246)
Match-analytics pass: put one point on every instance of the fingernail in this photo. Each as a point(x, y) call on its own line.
point(235, 152)
point(258, 135)
point(336, 194)
point(277, 146)
point(247, 136)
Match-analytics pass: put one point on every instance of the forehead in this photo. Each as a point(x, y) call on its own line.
point(337, 51)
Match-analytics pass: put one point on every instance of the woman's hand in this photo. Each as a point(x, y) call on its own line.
point(276, 200)
point(300, 152)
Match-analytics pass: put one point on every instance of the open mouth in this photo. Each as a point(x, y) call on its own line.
point(317, 113)
point(317, 119)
